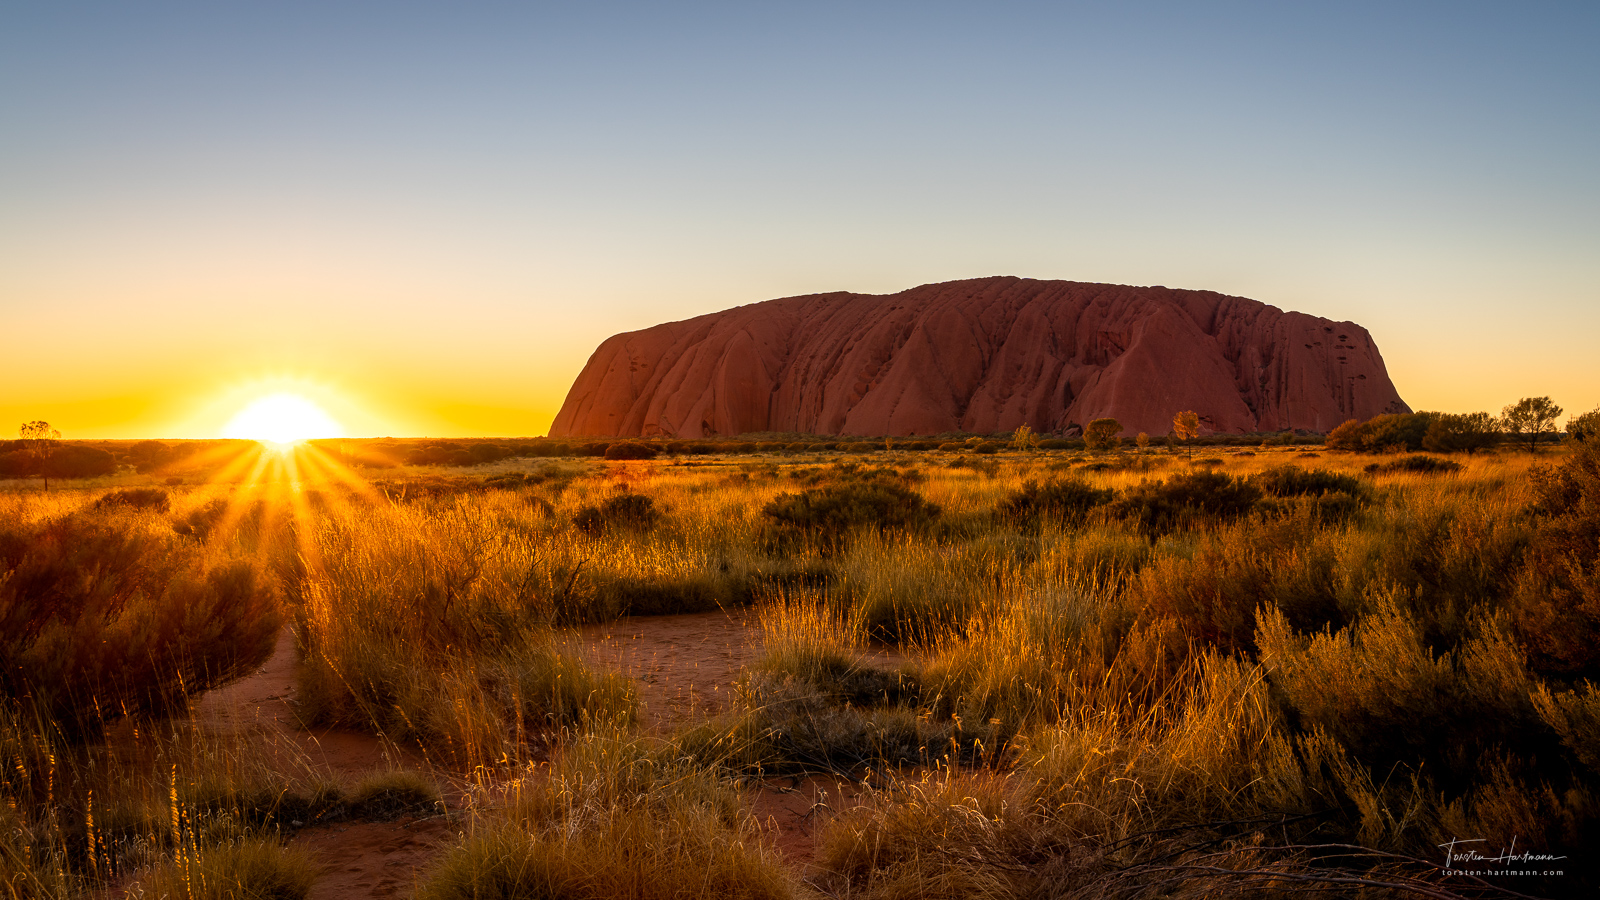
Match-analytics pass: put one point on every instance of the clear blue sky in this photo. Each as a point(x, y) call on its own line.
point(432, 214)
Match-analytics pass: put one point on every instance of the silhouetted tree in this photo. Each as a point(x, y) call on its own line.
point(40, 440)
point(1530, 417)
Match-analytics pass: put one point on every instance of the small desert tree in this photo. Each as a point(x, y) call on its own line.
point(1102, 434)
point(40, 440)
point(1024, 439)
point(1529, 418)
point(1186, 427)
point(1143, 440)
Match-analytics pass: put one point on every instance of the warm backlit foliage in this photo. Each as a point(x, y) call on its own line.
point(1120, 671)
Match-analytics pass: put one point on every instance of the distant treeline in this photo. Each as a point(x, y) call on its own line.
point(1527, 422)
point(381, 453)
point(87, 459)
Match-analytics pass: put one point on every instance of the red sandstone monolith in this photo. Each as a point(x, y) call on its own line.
point(983, 355)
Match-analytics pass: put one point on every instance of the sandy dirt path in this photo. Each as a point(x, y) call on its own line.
point(685, 667)
point(358, 859)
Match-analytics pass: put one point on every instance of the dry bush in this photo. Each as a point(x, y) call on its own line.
point(1379, 691)
point(105, 618)
point(904, 591)
point(634, 512)
point(812, 703)
point(1556, 601)
point(827, 517)
point(430, 625)
point(613, 820)
point(1216, 593)
point(1293, 481)
point(631, 450)
point(1418, 464)
point(1062, 503)
point(136, 498)
point(1106, 790)
point(1185, 501)
point(245, 870)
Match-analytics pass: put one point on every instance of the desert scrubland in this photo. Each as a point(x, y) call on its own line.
point(1041, 672)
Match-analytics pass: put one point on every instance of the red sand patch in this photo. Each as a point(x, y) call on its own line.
point(685, 665)
point(376, 859)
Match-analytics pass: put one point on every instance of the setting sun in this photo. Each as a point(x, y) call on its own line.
point(282, 419)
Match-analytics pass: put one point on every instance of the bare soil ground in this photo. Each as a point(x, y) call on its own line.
point(685, 667)
point(359, 859)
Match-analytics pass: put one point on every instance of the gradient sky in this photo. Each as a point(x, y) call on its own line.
point(425, 217)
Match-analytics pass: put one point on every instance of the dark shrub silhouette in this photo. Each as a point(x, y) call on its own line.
point(1159, 507)
point(65, 461)
point(1064, 502)
point(634, 512)
point(1452, 433)
point(136, 498)
point(486, 453)
point(631, 450)
point(1585, 427)
point(828, 515)
point(1102, 434)
point(98, 621)
point(1293, 481)
point(1423, 465)
point(1383, 434)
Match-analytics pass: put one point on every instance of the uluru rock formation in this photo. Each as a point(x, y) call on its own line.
point(984, 355)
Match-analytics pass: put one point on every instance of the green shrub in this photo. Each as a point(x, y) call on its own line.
point(629, 511)
point(827, 515)
point(1293, 481)
point(1450, 433)
point(1158, 507)
point(1062, 503)
point(1383, 434)
point(100, 620)
point(1421, 465)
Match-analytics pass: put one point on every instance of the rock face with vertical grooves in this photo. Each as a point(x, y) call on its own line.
point(984, 355)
